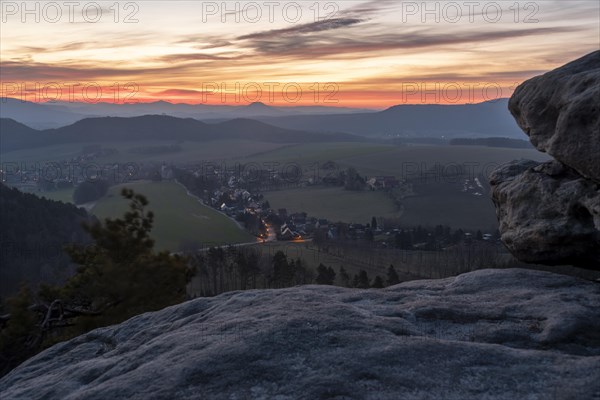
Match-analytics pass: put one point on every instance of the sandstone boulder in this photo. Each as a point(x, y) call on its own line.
point(560, 112)
point(490, 334)
point(548, 213)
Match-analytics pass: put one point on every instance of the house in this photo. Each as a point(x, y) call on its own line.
point(298, 218)
point(287, 233)
point(226, 209)
point(322, 224)
point(282, 213)
point(333, 232)
point(374, 184)
point(383, 182)
point(166, 172)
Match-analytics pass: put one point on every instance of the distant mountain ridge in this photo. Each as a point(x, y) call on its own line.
point(57, 114)
point(15, 135)
point(489, 119)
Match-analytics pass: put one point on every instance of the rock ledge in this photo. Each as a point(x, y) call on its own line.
point(489, 334)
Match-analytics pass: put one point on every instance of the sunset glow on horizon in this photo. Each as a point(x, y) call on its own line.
point(369, 54)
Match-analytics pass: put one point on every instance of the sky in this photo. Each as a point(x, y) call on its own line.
point(367, 54)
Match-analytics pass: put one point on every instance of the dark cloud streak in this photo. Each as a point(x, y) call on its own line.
point(317, 26)
point(28, 71)
point(332, 46)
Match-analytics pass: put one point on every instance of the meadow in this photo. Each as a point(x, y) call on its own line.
point(437, 198)
point(180, 219)
point(334, 203)
point(450, 208)
point(436, 162)
point(308, 153)
point(191, 152)
point(64, 195)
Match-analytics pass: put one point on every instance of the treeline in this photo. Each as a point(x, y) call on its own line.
point(431, 239)
point(85, 192)
point(349, 178)
point(34, 232)
point(414, 238)
point(219, 270)
point(90, 190)
point(156, 150)
point(197, 184)
point(493, 142)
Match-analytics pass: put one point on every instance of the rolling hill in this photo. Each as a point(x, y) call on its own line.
point(467, 120)
point(56, 114)
point(16, 136)
point(488, 119)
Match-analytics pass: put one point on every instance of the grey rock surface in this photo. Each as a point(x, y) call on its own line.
point(490, 334)
point(548, 213)
point(560, 112)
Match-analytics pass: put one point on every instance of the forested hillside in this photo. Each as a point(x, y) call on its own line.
point(33, 234)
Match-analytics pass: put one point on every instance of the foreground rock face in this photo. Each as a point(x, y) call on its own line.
point(550, 213)
point(490, 334)
point(560, 112)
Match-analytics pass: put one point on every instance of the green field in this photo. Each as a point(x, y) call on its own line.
point(437, 196)
point(334, 203)
point(416, 161)
point(457, 210)
point(193, 152)
point(64, 195)
point(179, 218)
point(305, 154)
point(190, 152)
point(384, 159)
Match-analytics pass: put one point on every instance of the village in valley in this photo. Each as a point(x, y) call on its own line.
point(242, 194)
